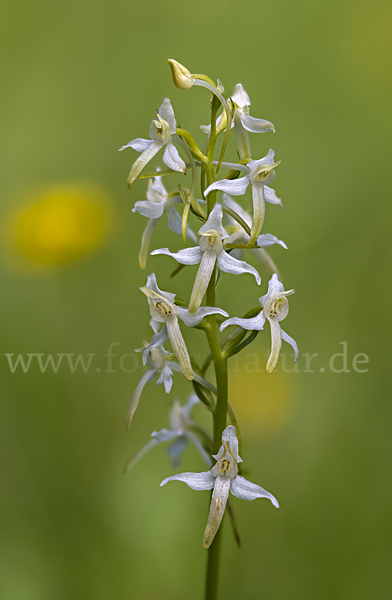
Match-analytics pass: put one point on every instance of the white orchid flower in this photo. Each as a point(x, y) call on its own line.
point(179, 433)
point(153, 208)
point(163, 310)
point(223, 477)
point(275, 309)
point(260, 173)
point(209, 252)
point(161, 131)
point(239, 236)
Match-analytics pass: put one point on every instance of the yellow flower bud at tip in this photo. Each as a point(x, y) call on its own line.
point(182, 78)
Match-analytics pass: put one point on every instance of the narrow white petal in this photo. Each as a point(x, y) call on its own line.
point(256, 323)
point(293, 343)
point(143, 159)
point(202, 280)
point(178, 345)
point(271, 197)
point(245, 490)
point(139, 144)
point(172, 159)
point(164, 435)
point(217, 509)
point(167, 113)
point(174, 222)
point(196, 319)
point(214, 223)
point(276, 344)
point(196, 481)
point(231, 265)
point(256, 125)
point(151, 210)
point(147, 376)
point(267, 239)
point(187, 256)
point(146, 238)
point(258, 211)
point(274, 287)
point(236, 187)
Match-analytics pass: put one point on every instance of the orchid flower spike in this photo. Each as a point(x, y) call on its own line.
point(153, 208)
point(161, 131)
point(179, 434)
point(260, 173)
point(244, 122)
point(223, 477)
point(240, 236)
point(275, 309)
point(209, 252)
point(163, 310)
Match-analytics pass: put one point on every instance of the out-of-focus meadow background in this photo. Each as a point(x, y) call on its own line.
point(80, 79)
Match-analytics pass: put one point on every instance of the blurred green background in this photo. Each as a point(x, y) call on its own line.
point(80, 79)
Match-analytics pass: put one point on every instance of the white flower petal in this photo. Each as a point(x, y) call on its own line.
point(293, 343)
point(167, 113)
point(158, 186)
point(256, 323)
point(151, 210)
point(217, 509)
point(143, 159)
point(172, 159)
point(153, 286)
point(196, 319)
point(157, 340)
point(196, 481)
point(146, 238)
point(139, 144)
point(267, 239)
point(187, 256)
point(236, 187)
point(178, 345)
point(266, 160)
point(229, 264)
point(245, 490)
point(146, 377)
point(214, 223)
point(202, 280)
point(271, 197)
point(229, 435)
point(276, 344)
point(240, 97)
point(155, 325)
point(164, 435)
point(256, 125)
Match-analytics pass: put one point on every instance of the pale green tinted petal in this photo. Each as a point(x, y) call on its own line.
point(143, 159)
point(271, 197)
point(245, 490)
point(151, 210)
point(148, 376)
point(146, 238)
point(256, 323)
point(258, 211)
point(276, 344)
point(267, 239)
point(256, 125)
point(293, 343)
point(214, 223)
point(167, 113)
point(236, 187)
point(178, 345)
point(202, 280)
point(196, 319)
point(217, 509)
point(196, 481)
point(231, 265)
point(172, 159)
point(187, 256)
point(240, 97)
point(139, 144)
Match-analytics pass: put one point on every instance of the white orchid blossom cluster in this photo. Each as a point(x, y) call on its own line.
point(229, 233)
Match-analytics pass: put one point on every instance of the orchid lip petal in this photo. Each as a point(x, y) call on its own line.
point(178, 345)
point(217, 509)
point(146, 377)
point(276, 344)
point(202, 280)
point(143, 159)
point(145, 243)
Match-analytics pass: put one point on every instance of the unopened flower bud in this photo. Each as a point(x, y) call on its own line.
point(181, 76)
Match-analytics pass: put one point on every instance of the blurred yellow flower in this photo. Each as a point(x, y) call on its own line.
point(60, 224)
